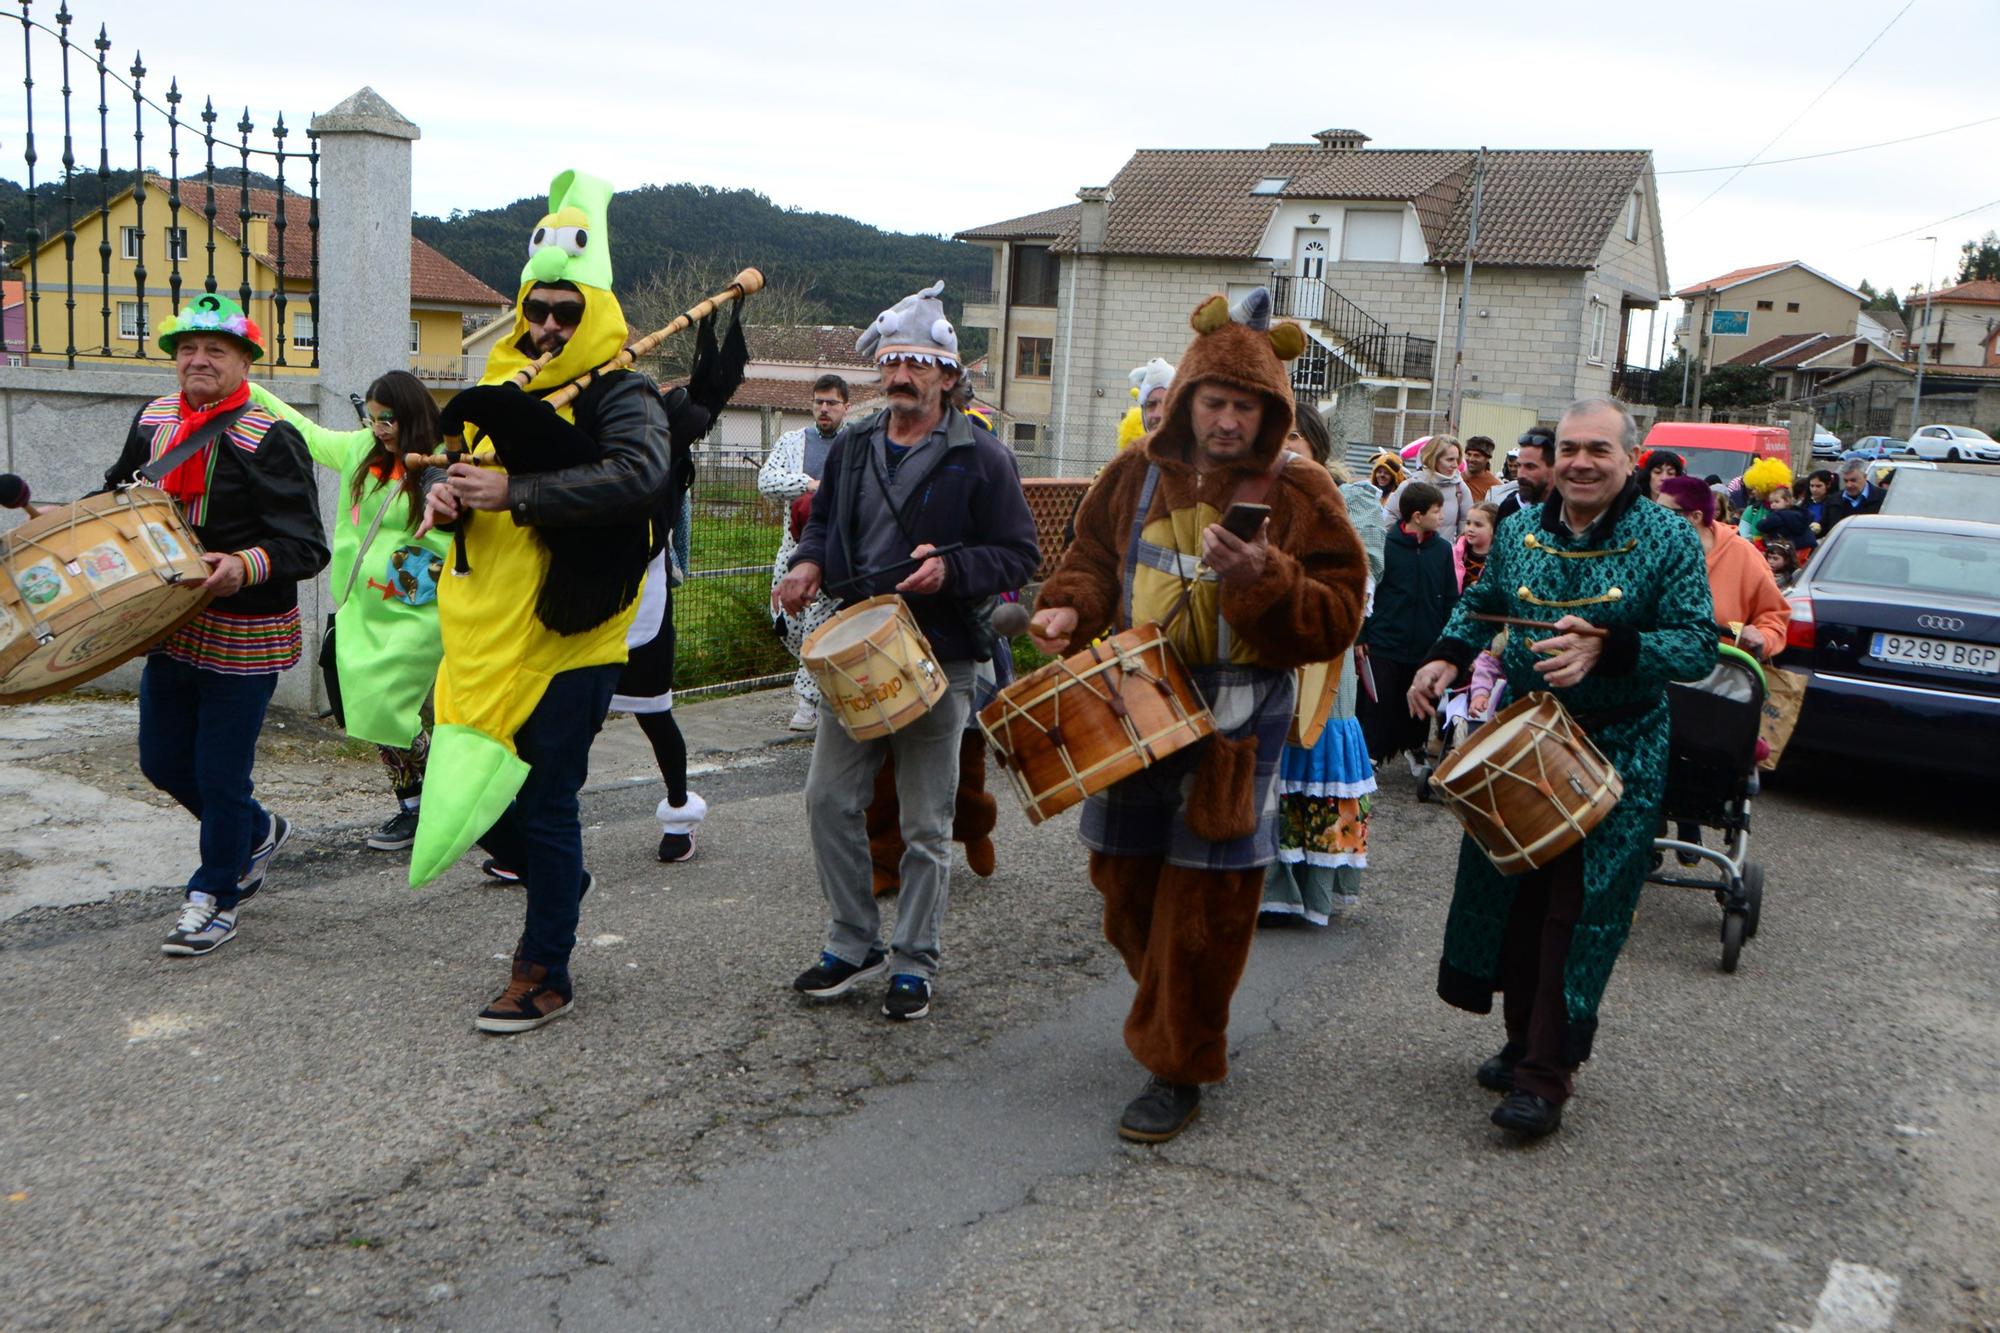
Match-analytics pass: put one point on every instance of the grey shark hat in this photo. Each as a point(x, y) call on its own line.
point(914, 326)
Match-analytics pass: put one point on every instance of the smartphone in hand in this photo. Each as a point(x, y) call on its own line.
point(1243, 520)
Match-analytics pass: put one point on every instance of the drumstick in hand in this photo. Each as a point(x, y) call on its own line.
point(14, 494)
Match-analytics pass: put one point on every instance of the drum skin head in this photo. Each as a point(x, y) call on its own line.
point(857, 628)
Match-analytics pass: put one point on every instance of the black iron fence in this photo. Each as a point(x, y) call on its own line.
point(201, 204)
point(1345, 343)
point(1635, 384)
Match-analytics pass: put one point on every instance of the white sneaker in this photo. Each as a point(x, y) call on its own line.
point(201, 928)
point(804, 718)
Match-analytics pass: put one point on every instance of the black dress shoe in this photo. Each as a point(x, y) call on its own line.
point(1529, 1116)
point(1160, 1112)
point(1498, 1071)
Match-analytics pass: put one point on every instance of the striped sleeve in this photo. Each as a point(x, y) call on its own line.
point(256, 565)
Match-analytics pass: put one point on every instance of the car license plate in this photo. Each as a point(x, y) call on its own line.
point(1912, 650)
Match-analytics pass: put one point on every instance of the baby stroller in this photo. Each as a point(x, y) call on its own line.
point(1711, 778)
point(1453, 722)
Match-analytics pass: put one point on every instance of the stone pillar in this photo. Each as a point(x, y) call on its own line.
point(1351, 423)
point(364, 302)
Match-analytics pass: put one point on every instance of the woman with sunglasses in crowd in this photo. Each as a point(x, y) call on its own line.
point(384, 630)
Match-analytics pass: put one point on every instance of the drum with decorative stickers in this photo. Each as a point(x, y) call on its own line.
point(874, 667)
point(88, 585)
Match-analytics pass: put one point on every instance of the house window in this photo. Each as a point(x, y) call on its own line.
point(1632, 209)
point(132, 321)
point(1779, 384)
point(416, 340)
point(302, 329)
point(1763, 305)
point(1791, 307)
point(1372, 234)
point(1024, 435)
point(1035, 273)
point(1598, 316)
point(1034, 358)
point(1271, 185)
point(128, 242)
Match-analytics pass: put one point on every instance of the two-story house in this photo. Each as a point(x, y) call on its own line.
point(255, 243)
point(1365, 249)
point(1958, 326)
point(1748, 307)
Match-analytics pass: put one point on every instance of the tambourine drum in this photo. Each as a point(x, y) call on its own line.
point(1318, 683)
point(88, 585)
point(1075, 727)
point(1528, 785)
point(875, 667)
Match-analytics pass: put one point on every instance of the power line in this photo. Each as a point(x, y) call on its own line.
point(1979, 208)
point(1802, 113)
point(1833, 152)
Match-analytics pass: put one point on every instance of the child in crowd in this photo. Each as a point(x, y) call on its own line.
point(1419, 587)
point(1469, 553)
point(1761, 480)
point(1785, 522)
point(1783, 559)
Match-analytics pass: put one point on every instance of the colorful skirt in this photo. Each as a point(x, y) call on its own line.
point(1324, 795)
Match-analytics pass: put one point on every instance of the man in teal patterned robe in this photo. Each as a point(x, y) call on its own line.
point(1595, 553)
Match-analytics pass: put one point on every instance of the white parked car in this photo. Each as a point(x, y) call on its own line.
point(1825, 444)
point(1955, 444)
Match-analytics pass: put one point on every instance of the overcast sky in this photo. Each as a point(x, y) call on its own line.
point(938, 118)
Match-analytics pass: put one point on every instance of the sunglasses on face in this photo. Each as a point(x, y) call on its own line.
point(568, 313)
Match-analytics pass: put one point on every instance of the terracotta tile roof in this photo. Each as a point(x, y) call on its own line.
point(1540, 209)
point(14, 292)
point(1047, 224)
point(1788, 350)
point(1980, 291)
point(432, 276)
point(1734, 276)
point(785, 395)
point(830, 345)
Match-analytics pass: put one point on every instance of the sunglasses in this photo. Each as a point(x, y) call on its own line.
point(568, 313)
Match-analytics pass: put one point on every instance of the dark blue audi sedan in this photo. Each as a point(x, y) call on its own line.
point(1897, 622)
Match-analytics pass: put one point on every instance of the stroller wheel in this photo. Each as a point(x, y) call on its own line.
point(1753, 898)
point(1732, 939)
point(1424, 787)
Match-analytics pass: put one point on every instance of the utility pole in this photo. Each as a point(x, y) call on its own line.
point(1465, 281)
point(1930, 288)
point(1701, 353)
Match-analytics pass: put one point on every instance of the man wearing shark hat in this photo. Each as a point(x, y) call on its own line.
point(553, 541)
point(921, 476)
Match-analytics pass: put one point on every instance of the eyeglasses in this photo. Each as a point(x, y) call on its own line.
point(568, 314)
point(385, 419)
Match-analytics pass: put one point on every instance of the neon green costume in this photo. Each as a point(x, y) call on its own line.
point(498, 657)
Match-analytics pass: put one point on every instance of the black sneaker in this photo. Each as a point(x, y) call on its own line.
point(252, 879)
point(400, 832)
point(1497, 1073)
point(833, 976)
point(1529, 1116)
point(1160, 1112)
point(676, 847)
point(909, 997)
point(492, 869)
point(200, 929)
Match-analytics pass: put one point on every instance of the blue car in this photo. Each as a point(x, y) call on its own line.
point(1897, 623)
point(1873, 447)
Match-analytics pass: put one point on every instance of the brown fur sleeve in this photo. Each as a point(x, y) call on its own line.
point(1306, 607)
point(1088, 579)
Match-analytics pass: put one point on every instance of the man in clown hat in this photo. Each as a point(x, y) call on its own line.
point(245, 485)
point(553, 542)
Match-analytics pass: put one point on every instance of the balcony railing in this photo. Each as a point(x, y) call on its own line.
point(1635, 384)
point(1320, 372)
point(448, 371)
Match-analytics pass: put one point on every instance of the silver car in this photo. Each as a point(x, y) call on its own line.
point(1955, 444)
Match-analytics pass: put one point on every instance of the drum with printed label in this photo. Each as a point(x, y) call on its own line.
point(88, 585)
point(874, 667)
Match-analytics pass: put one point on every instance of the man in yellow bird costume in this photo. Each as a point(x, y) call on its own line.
point(552, 540)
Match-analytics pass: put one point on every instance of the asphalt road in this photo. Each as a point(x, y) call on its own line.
point(304, 1131)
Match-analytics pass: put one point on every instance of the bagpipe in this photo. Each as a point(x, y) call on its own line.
point(595, 571)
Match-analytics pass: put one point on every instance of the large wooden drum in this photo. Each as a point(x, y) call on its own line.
point(88, 585)
point(1074, 727)
point(875, 667)
point(1528, 785)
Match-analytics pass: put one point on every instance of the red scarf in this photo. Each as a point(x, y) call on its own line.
point(187, 482)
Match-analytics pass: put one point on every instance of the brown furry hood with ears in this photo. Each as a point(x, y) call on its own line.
point(1240, 348)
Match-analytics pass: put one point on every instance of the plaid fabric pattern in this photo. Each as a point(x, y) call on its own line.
point(1145, 814)
point(237, 645)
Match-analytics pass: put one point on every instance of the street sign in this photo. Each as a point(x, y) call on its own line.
point(1724, 322)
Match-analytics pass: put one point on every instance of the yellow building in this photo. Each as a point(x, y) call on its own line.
point(441, 293)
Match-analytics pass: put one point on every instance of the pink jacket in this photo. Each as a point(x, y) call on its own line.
point(1487, 673)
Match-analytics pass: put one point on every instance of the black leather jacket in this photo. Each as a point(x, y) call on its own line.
point(623, 413)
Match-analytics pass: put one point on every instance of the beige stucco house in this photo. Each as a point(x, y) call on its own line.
point(1958, 326)
point(1362, 247)
point(1748, 307)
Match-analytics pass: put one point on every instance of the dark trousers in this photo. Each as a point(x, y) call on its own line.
point(1385, 720)
point(1532, 958)
point(197, 743)
point(541, 835)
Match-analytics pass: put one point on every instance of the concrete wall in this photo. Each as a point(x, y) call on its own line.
point(1524, 340)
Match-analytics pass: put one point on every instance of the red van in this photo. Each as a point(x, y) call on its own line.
point(1715, 451)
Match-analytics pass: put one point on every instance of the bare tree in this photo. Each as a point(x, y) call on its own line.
point(681, 283)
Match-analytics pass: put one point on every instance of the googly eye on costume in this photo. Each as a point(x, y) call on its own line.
point(573, 240)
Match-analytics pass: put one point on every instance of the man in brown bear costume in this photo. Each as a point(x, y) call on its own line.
point(1178, 849)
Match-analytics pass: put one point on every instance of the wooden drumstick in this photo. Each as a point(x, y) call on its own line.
point(1590, 631)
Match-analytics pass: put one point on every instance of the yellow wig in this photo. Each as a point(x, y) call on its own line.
point(1766, 475)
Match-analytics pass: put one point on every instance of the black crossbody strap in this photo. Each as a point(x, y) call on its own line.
point(192, 445)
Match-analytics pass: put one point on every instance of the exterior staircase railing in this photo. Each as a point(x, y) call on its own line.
point(1347, 343)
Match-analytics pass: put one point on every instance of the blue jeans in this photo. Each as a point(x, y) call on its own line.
point(541, 835)
point(197, 743)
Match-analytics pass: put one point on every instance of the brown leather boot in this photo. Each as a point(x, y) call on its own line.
point(528, 1002)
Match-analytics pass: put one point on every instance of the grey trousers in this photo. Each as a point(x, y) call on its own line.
point(839, 787)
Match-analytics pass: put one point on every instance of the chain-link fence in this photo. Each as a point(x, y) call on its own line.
point(722, 613)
